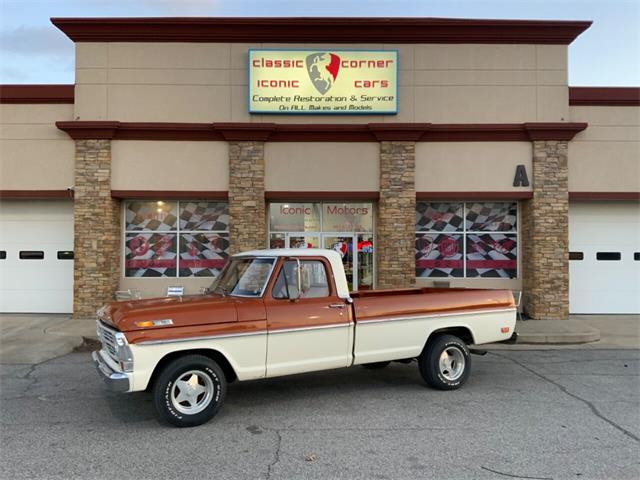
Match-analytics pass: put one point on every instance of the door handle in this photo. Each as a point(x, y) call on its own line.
point(336, 305)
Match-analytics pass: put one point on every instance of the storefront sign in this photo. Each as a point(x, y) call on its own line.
point(324, 82)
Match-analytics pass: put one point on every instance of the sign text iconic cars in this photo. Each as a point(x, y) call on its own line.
point(323, 81)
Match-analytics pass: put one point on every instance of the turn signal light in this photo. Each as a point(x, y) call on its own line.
point(504, 330)
point(154, 323)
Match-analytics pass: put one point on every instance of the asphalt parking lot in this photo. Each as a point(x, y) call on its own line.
point(551, 414)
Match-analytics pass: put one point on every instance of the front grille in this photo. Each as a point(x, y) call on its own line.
point(108, 339)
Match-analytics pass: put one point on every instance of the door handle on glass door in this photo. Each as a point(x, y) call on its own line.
point(336, 305)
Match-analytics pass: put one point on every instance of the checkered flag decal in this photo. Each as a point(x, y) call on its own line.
point(439, 255)
point(209, 216)
point(152, 216)
point(203, 254)
point(150, 255)
point(492, 255)
point(439, 217)
point(491, 217)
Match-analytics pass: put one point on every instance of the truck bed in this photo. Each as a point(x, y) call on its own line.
point(375, 304)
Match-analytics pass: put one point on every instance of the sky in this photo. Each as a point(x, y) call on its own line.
point(32, 50)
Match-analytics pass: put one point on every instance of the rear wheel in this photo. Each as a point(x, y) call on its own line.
point(446, 363)
point(189, 391)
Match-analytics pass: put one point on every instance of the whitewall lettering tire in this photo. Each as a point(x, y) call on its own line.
point(189, 391)
point(446, 363)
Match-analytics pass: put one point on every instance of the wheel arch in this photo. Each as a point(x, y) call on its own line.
point(463, 332)
point(215, 355)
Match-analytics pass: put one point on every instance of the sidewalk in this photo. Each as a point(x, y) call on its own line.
point(34, 338)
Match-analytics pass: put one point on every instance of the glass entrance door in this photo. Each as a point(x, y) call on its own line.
point(343, 244)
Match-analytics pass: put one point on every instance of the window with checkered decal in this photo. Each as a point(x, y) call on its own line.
point(175, 238)
point(466, 239)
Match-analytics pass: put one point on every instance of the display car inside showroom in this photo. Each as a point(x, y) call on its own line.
point(425, 151)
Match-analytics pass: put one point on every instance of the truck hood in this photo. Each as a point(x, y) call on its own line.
point(183, 311)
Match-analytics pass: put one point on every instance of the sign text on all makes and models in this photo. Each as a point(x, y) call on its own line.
point(317, 81)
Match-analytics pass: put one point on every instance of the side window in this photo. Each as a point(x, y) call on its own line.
point(313, 277)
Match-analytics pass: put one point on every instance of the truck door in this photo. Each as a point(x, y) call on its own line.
point(307, 330)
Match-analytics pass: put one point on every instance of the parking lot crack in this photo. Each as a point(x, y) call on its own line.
point(564, 390)
point(511, 475)
point(276, 455)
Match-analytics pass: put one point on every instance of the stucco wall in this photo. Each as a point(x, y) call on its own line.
point(606, 156)
point(169, 165)
point(322, 166)
point(207, 82)
point(34, 154)
point(470, 166)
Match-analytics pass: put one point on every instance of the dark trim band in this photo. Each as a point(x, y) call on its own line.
point(36, 194)
point(473, 195)
point(320, 30)
point(367, 132)
point(29, 94)
point(605, 96)
point(613, 196)
point(169, 195)
point(307, 196)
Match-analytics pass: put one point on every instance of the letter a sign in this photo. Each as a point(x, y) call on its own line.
point(521, 179)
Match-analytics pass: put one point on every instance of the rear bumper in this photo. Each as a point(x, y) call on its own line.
point(116, 381)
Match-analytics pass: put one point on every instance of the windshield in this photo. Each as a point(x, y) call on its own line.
point(244, 277)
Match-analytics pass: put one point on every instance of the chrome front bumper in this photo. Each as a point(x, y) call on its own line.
point(116, 381)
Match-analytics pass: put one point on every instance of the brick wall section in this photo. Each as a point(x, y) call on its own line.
point(247, 225)
point(545, 234)
point(97, 229)
point(396, 215)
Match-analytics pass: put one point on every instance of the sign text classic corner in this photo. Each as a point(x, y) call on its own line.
point(323, 81)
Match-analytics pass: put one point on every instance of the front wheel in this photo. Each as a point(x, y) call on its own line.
point(446, 363)
point(189, 391)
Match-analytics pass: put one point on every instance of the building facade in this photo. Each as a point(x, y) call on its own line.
point(482, 169)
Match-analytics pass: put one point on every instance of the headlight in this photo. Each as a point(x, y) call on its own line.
point(123, 352)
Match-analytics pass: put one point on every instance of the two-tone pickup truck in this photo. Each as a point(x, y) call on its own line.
point(280, 312)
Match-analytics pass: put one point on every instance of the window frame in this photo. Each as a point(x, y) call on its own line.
point(327, 271)
point(177, 232)
point(464, 233)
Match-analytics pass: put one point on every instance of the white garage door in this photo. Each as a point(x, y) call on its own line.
point(36, 256)
point(604, 265)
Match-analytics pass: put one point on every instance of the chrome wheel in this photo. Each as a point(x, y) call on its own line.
point(451, 363)
point(192, 392)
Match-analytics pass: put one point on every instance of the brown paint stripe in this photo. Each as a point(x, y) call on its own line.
point(170, 194)
point(319, 30)
point(33, 94)
point(369, 132)
point(473, 195)
point(605, 96)
point(614, 196)
point(291, 196)
point(36, 194)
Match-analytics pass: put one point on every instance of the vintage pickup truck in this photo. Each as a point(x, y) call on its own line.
point(286, 311)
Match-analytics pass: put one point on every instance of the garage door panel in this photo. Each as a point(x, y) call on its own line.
point(39, 301)
point(36, 285)
point(600, 285)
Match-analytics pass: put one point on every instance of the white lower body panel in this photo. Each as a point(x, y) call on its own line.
point(399, 338)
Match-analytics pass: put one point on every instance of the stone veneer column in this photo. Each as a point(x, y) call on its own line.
point(96, 229)
point(396, 215)
point(545, 234)
point(247, 225)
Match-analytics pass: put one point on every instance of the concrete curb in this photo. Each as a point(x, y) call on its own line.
point(555, 332)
